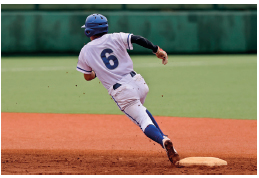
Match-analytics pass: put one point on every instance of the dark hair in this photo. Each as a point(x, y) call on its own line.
point(100, 34)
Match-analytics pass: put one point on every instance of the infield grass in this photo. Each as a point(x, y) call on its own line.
point(214, 86)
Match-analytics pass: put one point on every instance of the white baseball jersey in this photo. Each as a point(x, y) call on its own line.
point(107, 56)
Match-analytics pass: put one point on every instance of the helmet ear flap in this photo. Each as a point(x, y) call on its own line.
point(89, 32)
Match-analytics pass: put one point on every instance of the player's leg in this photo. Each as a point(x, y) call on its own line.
point(153, 133)
point(137, 113)
point(142, 93)
point(129, 98)
point(127, 101)
point(152, 130)
point(154, 122)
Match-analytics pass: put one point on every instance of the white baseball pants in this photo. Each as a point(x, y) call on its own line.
point(130, 97)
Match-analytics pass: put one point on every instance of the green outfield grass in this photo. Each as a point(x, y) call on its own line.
point(220, 86)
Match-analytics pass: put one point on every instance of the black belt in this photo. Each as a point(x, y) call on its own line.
point(117, 85)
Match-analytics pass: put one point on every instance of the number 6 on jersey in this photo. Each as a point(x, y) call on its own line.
point(111, 62)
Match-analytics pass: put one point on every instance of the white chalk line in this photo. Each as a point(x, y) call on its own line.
point(197, 63)
point(37, 69)
point(141, 65)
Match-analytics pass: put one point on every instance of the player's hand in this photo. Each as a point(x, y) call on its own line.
point(162, 55)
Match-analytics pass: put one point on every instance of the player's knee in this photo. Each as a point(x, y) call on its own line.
point(145, 125)
point(144, 130)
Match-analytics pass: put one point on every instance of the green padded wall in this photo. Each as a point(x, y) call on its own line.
point(77, 7)
point(175, 32)
point(80, 6)
point(169, 6)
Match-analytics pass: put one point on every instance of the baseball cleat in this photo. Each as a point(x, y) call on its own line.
point(171, 152)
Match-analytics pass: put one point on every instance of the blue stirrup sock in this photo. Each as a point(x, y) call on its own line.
point(154, 122)
point(153, 133)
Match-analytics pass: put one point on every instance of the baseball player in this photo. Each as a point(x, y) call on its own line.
point(106, 57)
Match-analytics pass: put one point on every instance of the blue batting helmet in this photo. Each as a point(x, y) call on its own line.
point(95, 24)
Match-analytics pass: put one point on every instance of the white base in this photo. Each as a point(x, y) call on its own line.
point(201, 161)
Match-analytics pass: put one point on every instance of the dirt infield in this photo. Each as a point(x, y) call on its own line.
point(112, 144)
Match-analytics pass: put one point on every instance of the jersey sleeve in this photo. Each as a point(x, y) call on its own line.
point(82, 65)
point(126, 40)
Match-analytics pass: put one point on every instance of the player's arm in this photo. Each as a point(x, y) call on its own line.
point(147, 44)
point(83, 67)
point(90, 77)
